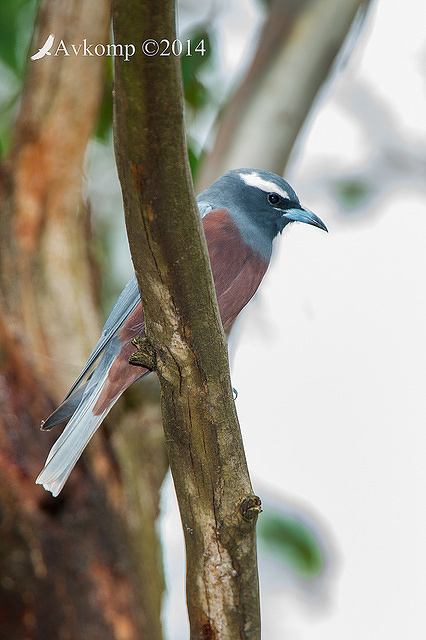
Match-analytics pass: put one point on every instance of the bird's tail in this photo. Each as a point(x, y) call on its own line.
point(70, 445)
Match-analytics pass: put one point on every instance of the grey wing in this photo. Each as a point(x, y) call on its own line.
point(126, 303)
point(66, 409)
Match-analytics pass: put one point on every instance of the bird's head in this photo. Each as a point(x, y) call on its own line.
point(260, 202)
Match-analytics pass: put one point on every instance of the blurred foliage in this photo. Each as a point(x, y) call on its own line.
point(16, 21)
point(290, 542)
point(104, 125)
point(352, 192)
point(195, 92)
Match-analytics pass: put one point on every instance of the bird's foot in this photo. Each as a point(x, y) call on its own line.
point(145, 355)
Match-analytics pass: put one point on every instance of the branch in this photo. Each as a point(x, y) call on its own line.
point(297, 49)
point(183, 327)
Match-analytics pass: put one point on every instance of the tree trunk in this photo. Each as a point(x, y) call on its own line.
point(70, 568)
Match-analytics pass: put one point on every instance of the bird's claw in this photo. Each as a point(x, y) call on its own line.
point(145, 355)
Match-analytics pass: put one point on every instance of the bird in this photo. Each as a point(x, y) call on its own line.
point(45, 49)
point(242, 212)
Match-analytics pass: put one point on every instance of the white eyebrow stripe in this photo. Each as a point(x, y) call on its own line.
point(254, 180)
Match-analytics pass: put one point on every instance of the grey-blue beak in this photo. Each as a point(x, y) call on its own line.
point(304, 215)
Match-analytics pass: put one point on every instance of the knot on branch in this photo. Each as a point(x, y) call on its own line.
point(250, 508)
point(145, 355)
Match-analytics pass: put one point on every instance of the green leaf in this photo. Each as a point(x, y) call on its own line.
point(195, 93)
point(290, 542)
point(352, 192)
point(16, 19)
point(104, 122)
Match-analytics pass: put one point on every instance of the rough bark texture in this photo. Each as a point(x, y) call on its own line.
point(45, 276)
point(70, 568)
point(298, 46)
point(217, 505)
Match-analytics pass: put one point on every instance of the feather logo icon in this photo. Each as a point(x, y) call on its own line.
point(45, 49)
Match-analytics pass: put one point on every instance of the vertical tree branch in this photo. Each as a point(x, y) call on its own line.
point(217, 505)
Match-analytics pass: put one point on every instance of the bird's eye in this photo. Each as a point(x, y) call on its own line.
point(273, 198)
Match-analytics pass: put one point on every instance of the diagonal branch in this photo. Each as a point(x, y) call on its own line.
point(207, 459)
point(296, 53)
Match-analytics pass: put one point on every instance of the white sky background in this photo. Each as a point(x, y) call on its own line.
point(330, 364)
